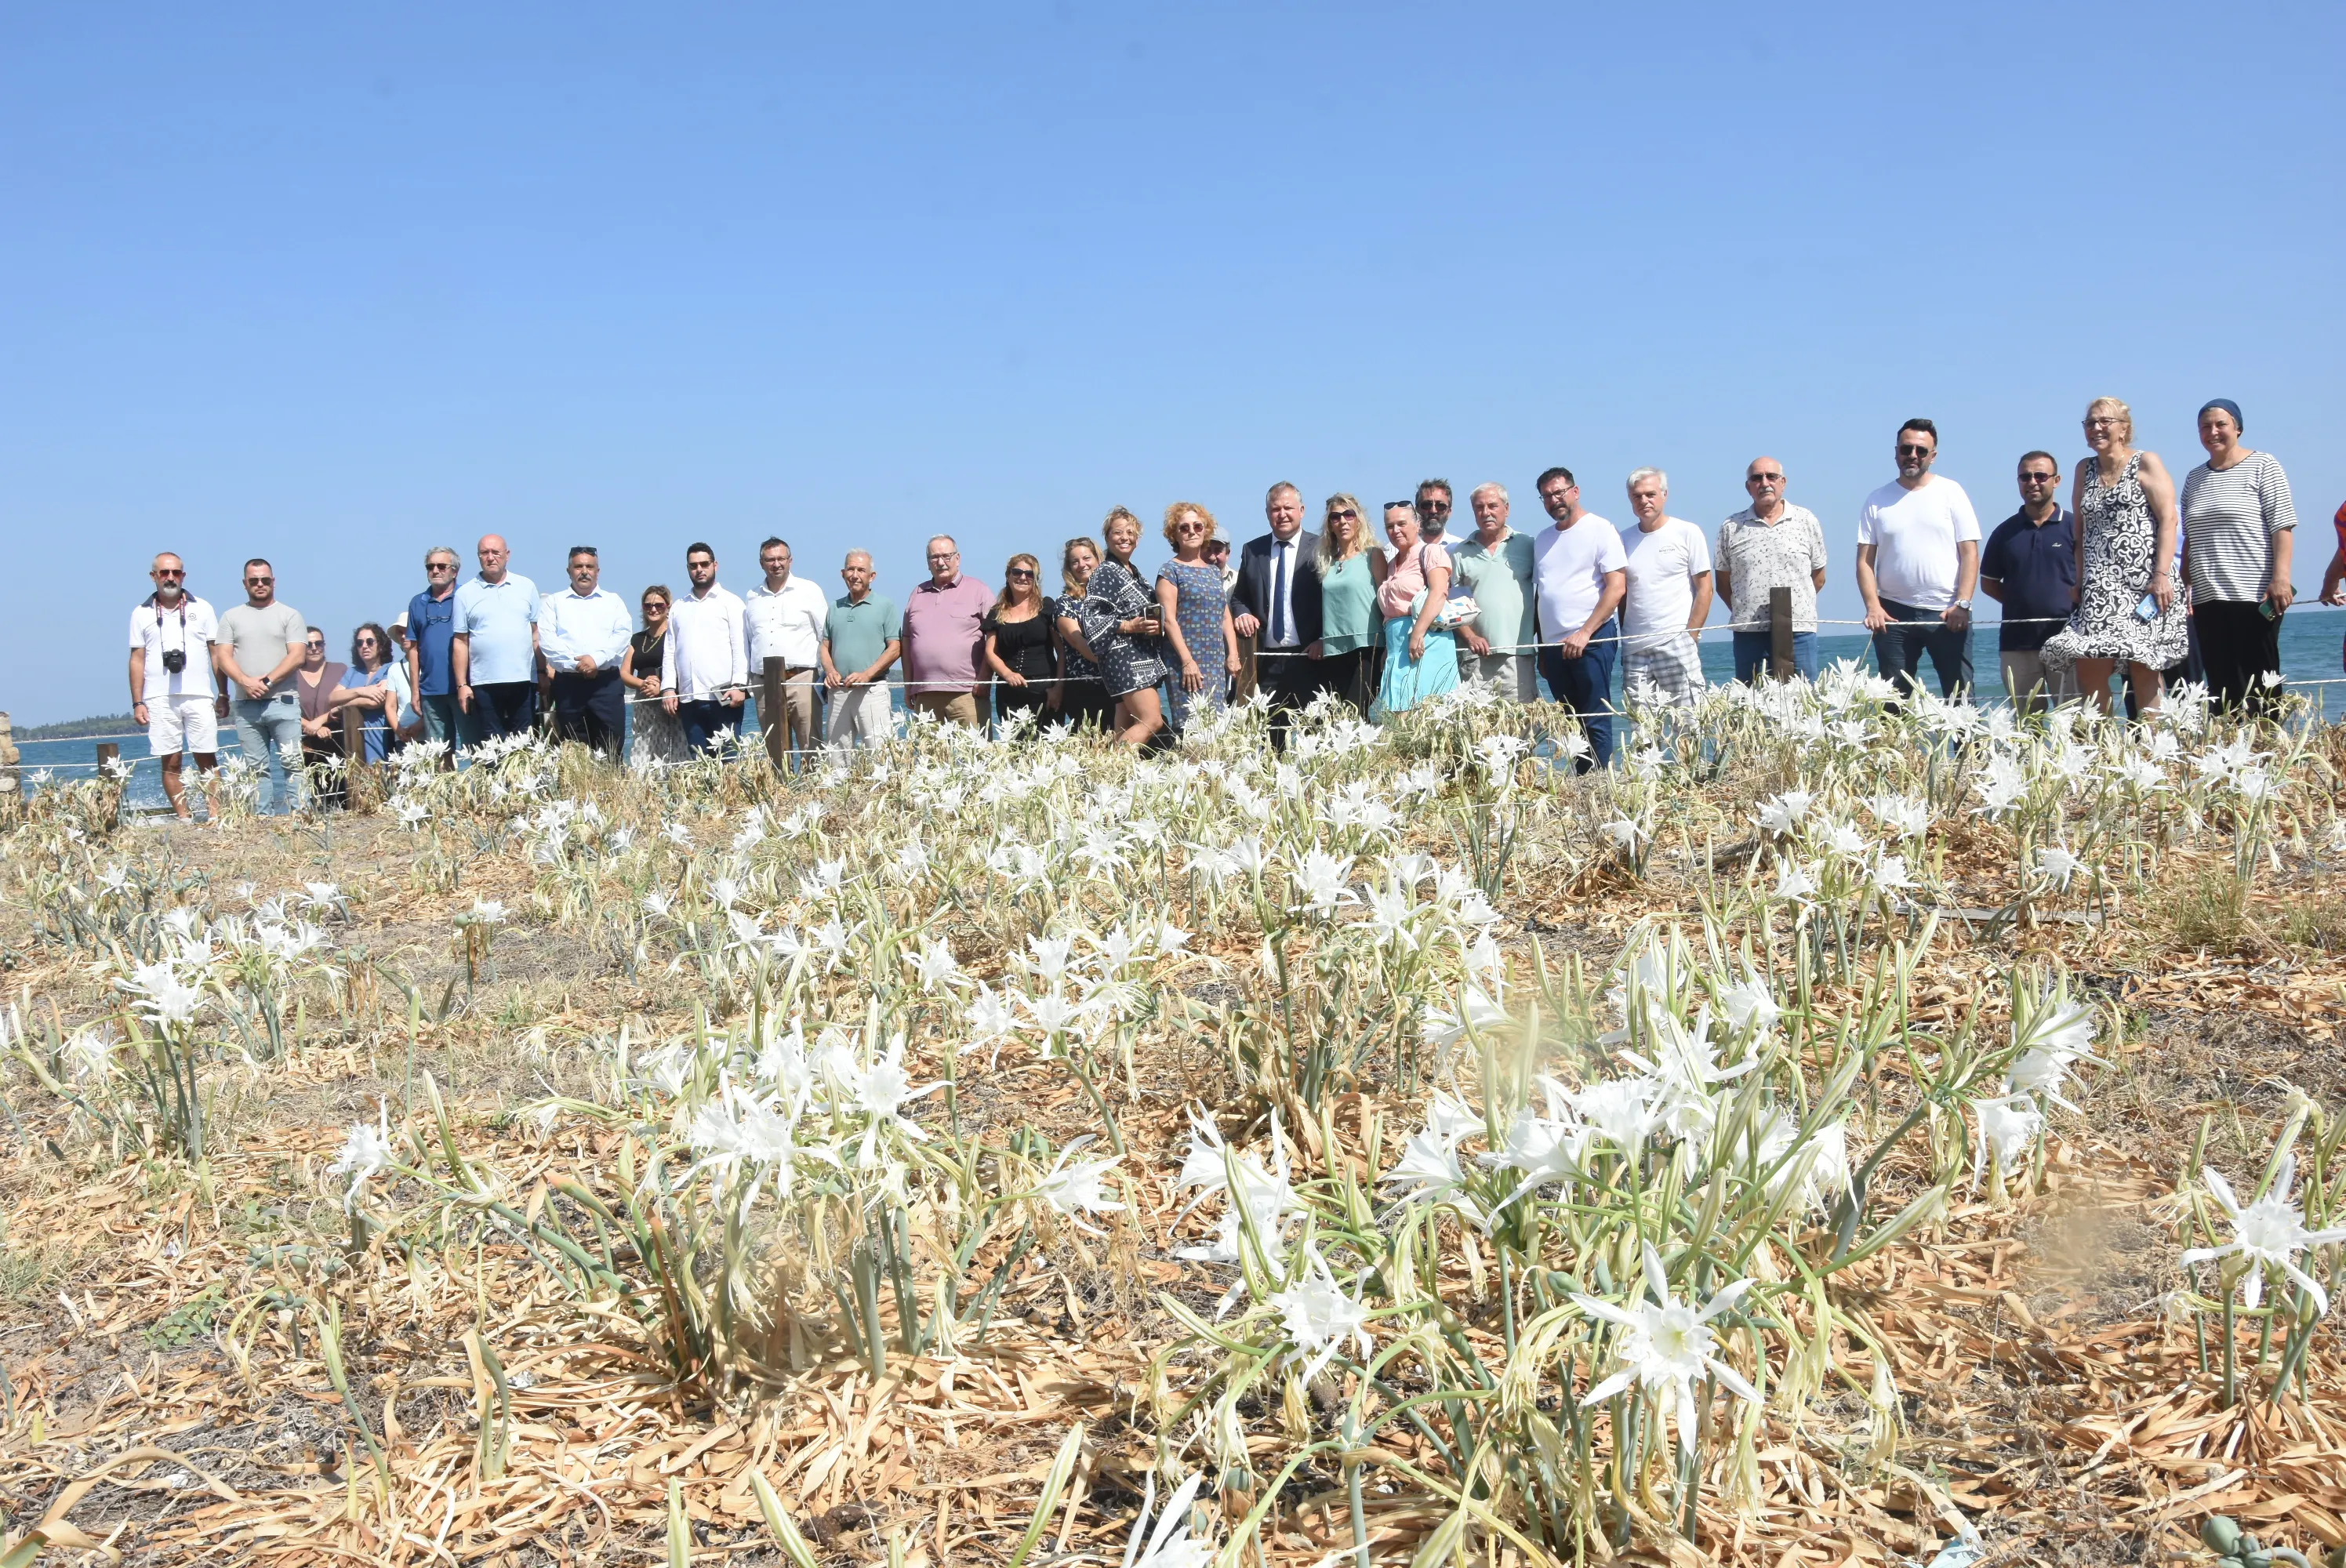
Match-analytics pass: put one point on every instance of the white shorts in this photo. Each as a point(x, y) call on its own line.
point(186, 722)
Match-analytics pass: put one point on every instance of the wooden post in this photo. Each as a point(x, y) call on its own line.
point(772, 716)
point(107, 751)
point(353, 739)
point(1780, 634)
point(1246, 672)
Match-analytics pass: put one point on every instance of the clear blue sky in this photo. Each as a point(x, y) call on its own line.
point(330, 284)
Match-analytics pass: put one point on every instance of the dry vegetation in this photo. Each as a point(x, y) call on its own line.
point(454, 1270)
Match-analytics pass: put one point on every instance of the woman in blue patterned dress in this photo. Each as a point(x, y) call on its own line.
point(1197, 615)
point(1120, 622)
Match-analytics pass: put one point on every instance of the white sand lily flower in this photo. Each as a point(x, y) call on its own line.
point(2266, 1236)
point(1168, 1544)
point(2009, 1126)
point(366, 1153)
point(1078, 1188)
point(1666, 1347)
point(2057, 866)
point(1319, 1315)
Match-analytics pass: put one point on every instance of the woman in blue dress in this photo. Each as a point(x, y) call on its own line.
point(1121, 624)
point(1196, 616)
point(1421, 661)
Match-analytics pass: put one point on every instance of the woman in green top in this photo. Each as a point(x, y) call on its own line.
point(1351, 571)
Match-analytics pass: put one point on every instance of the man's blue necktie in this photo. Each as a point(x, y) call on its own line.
point(1279, 597)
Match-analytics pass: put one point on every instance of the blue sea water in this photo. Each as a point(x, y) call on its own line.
point(2312, 649)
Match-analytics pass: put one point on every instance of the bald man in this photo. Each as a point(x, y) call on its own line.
point(494, 653)
point(1771, 544)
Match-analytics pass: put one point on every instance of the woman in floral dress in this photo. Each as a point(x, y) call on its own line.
point(1197, 615)
point(2125, 503)
point(1120, 622)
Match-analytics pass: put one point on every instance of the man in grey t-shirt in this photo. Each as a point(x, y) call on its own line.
point(259, 649)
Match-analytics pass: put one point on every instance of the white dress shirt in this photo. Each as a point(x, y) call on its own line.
point(705, 652)
point(1292, 548)
point(596, 624)
point(786, 623)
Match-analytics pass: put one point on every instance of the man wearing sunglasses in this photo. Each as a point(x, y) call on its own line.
point(265, 635)
point(429, 640)
point(1770, 545)
point(1918, 551)
point(171, 637)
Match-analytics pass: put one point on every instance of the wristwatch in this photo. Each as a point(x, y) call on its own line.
point(1964, 605)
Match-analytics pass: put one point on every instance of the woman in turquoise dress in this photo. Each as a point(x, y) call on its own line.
point(1196, 616)
point(1421, 661)
point(1352, 568)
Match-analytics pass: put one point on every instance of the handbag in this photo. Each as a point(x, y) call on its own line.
point(1453, 614)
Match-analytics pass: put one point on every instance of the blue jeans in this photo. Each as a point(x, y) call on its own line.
point(706, 719)
point(444, 720)
point(1585, 685)
point(1752, 650)
point(267, 730)
point(1899, 647)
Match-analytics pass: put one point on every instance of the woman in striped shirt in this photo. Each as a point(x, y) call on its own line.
point(2237, 525)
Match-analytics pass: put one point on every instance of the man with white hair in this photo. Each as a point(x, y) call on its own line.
point(1499, 648)
point(944, 622)
point(862, 636)
point(1669, 597)
point(171, 692)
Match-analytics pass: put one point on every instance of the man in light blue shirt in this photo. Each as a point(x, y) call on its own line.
point(495, 650)
point(583, 633)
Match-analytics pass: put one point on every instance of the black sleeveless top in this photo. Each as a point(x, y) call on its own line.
point(1025, 645)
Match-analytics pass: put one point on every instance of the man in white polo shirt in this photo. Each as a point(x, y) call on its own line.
point(1669, 597)
point(494, 653)
point(784, 616)
point(171, 690)
point(583, 633)
point(1582, 573)
point(1918, 551)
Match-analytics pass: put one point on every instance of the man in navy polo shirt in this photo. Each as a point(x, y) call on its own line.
point(431, 675)
point(2030, 568)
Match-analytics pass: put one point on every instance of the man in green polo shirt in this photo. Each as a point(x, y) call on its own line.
point(861, 636)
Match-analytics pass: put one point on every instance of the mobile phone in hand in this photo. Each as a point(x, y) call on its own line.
point(2268, 608)
point(2145, 609)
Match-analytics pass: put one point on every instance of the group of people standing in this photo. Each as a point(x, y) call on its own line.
point(2085, 590)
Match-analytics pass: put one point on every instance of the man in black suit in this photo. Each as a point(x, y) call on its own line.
point(1277, 602)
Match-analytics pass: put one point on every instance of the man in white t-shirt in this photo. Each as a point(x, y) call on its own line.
point(171, 690)
point(1918, 553)
point(1580, 572)
point(1669, 597)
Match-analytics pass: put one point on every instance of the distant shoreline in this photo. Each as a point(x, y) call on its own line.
point(71, 729)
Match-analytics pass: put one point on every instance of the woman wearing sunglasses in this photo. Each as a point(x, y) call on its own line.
point(367, 685)
point(1352, 569)
point(1019, 647)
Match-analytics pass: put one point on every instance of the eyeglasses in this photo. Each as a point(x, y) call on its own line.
point(2032, 478)
point(166, 571)
point(2105, 423)
point(1769, 478)
point(364, 642)
point(319, 646)
point(439, 565)
point(655, 605)
point(1913, 449)
point(1344, 512)
point(258, 581)
point(1022, 576)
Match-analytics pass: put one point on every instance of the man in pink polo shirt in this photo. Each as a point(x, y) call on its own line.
point(942, 621)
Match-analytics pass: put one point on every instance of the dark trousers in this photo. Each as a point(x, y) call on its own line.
point(703, 720)
point(591, 709)
point(1347, 675)
point(505, 708)
point(2237, 645)
point(1754, 650)
point(1291, 681)
point(1899, 647)
point(1087, 705)
point(1585, 685)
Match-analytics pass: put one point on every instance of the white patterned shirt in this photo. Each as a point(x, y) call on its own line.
point(1756, 557)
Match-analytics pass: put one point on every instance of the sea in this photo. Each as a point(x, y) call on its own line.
point(2313, 659)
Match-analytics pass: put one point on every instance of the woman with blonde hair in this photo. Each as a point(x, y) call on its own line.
point(1350, 568)
point(1420, 658)
point(1197, 615)
point(1018, 646)
point(1084, 702)
point(654, 734)
point(2127, 610)
point(1120, 622)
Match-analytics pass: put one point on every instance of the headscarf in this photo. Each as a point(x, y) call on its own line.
point(2228, 406)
